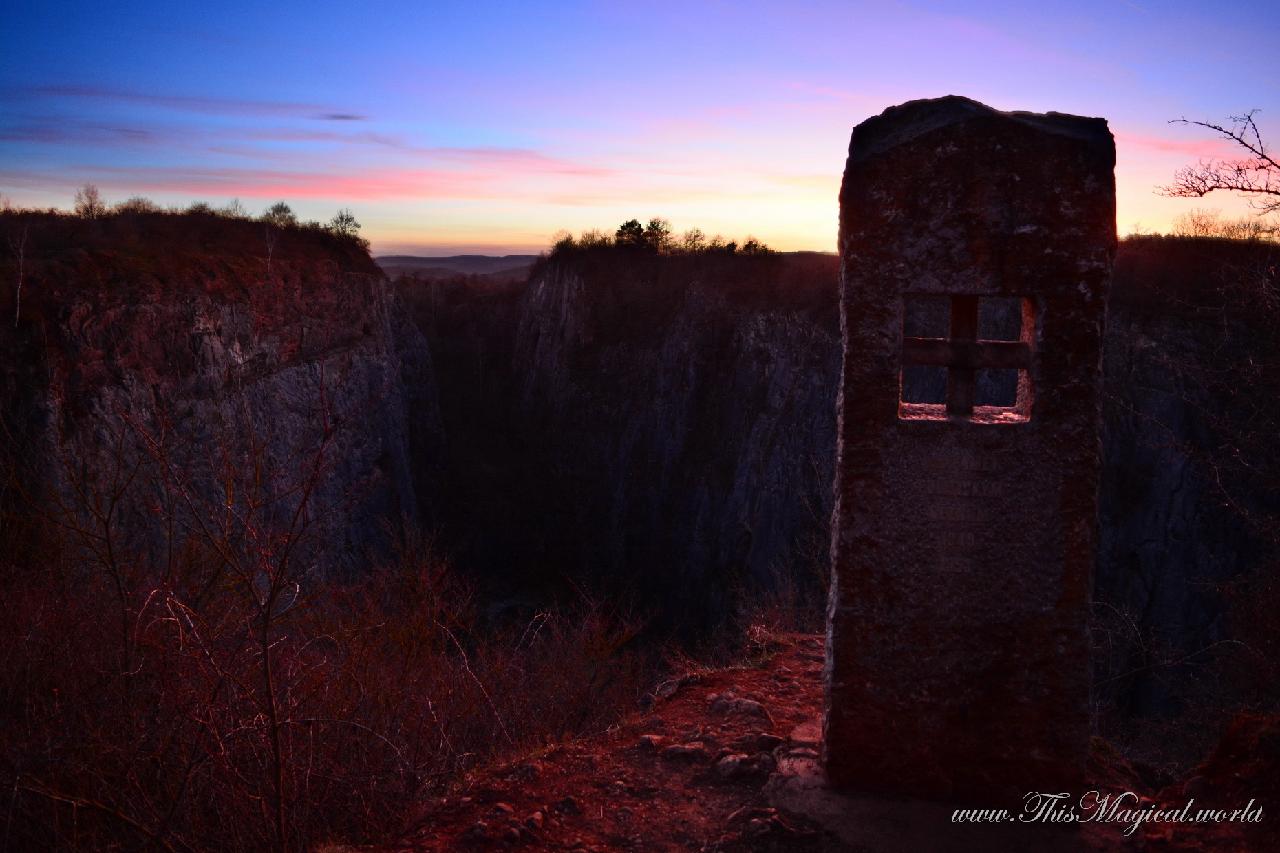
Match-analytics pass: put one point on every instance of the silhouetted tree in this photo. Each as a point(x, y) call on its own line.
point(344, 224)
point(1256, 175)
point(89, 203)
point(1209, 223)
point(657, 235)
point(630, 233)
point(562, 241)
point(279, 215)
point(137, 204)
point(693, 240)
point(274, 218)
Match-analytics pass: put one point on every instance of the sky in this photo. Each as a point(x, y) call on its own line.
point(488, 127)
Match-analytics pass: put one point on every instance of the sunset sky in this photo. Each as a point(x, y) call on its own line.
point(485, 127)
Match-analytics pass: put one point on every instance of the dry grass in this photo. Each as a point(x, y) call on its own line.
point(225, 698)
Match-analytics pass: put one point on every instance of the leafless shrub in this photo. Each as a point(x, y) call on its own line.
point(89, 203)
point(215, 694)
point(1210, 223)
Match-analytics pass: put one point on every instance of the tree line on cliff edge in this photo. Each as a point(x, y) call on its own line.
point(655, 237)
point(89, 204)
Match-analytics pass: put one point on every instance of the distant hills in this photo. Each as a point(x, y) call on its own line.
point(499, 267)
point(496, 267)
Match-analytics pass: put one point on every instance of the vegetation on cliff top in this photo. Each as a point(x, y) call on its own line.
point(655, 237)
point(137, 247)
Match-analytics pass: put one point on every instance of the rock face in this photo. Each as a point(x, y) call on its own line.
point(660, 426)
point(549, 454)
point(199, 385)
point(965, 525)
point(694, 426)
point(1187, 494)
point(665, 424)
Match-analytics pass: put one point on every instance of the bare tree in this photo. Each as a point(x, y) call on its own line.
point(271, 234)
point(275, 218)
point(89, 203)
point(344, 224)
point(18, 245)
point(137, 204)
point(280, 215)
point(1210, 223)
point(1256, 175)
point(693, 240)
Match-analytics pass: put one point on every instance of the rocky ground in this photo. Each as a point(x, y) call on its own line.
point(699, 771)
point(686, 775)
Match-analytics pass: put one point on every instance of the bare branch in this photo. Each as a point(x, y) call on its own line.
point(1256, 176)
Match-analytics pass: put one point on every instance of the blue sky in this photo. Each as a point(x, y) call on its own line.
point(487, 127)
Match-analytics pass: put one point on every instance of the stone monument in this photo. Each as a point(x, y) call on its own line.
point(976, 250)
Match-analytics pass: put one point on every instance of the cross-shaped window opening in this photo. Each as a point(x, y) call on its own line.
point(977, 348)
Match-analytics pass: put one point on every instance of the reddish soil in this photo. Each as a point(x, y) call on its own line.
point(662, 780)
point(689, 775)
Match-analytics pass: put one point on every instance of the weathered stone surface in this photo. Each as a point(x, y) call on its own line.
point(965, 522)
point(196, 377)
point(684, 415)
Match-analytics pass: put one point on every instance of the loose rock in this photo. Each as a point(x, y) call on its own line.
point(694, 751)
point(728, 703)
point(650, 743)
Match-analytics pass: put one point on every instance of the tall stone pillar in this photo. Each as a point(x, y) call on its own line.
point(976, 250)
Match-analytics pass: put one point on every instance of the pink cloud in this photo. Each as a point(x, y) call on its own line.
point(366, 185)
point(462, 173)
point(1196, 148)
point(415, 173)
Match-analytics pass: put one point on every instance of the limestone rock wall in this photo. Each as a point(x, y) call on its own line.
point(653, 426)
point(668, 426)
point(195, 385)
point(1187, 498)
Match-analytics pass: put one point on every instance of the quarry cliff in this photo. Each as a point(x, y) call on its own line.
point(648, 436)
point(170, 354)
point(668, 423)
point(660, 427)
point(665, 425)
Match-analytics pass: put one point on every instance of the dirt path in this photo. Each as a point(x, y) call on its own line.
point(686, 775)
point(689, 775)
